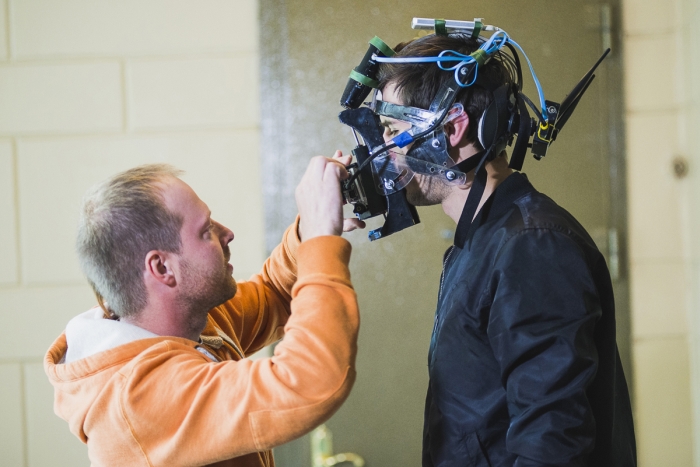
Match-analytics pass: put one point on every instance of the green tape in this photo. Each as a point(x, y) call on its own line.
point(477, 28)
point(382, 47)
point(362, 79)
point(480, 56)
point(440, 28)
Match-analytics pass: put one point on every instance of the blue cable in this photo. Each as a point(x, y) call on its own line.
point(537, 82)
point(490, 46)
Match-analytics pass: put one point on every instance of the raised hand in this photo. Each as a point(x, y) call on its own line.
point(319, 199)
point(351, 223)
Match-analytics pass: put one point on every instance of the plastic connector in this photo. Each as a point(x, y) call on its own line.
point(403, 140)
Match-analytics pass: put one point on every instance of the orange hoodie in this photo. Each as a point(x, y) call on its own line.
point(163, 401)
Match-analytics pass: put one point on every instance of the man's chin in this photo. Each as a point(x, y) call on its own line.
point(229, 291)
point(233, 289)
point(417, 198)
point(226, 292)
point(426, 190)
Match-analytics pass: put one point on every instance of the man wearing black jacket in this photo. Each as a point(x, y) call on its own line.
point(524, 367)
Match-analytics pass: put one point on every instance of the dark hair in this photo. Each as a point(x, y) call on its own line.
point(418, 83)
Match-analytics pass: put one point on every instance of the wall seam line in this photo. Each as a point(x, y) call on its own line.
point(58, 58)
point(8, 35)
point(125, 105)
point(18, 230)
point(23, 404)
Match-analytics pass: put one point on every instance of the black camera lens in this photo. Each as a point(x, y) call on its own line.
point(364, 77)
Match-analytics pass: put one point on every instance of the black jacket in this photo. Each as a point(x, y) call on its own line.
point(524, 368)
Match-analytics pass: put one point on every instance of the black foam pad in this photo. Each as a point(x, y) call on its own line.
point(517, 156)
point(494, 122)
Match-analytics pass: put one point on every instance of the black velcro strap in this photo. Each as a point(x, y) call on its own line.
point(470, 163)
point(473, 199)
point(517, 156)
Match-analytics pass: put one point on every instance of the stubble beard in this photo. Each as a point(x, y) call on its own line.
point(203, 291)
point(426, 190)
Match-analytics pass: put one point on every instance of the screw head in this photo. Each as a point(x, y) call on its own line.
point(389, 184)
point(450, 175)
point(680, 167)
point(436, 143)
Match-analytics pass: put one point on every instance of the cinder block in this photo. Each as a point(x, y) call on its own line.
point(654, 193)
point(49, 441)
point(8, 226)
point(193, 93)
point(662, 406)
point(659, 298)
point(649, 87)
point(45, 28)
point(648, 17)
point(223, 167)
point(11, 437)
point(50, 204)
point(59, 98)
point(36, 316)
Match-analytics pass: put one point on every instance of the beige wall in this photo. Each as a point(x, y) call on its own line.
point(661, 57)
point(87, 89)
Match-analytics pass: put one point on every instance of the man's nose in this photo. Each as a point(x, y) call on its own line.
point(386, 135)
point(225, 234)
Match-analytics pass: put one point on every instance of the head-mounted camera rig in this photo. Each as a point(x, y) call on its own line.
point(378, 179)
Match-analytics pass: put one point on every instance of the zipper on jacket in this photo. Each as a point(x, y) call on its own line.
point(442, 282)
point(437, 311)
point(442, 277)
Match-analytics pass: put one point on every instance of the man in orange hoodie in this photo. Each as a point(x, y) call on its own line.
point(157, 375)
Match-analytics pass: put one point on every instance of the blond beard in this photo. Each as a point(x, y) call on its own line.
point(203, 291)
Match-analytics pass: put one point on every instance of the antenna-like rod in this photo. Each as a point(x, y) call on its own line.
point(572, 99)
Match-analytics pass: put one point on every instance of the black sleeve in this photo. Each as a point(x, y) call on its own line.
point(544, 309)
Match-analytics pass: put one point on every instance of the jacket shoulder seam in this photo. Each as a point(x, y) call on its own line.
point(548, 227)
point(545, 226)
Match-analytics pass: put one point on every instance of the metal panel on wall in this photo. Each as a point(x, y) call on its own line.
point(307, 51)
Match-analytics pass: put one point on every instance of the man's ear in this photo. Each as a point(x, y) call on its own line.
point(456, 130)
point(159, 267)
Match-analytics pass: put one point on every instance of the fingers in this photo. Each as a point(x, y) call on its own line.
point(336, 170)
point(345, 160)
point(353, 223)
point(316, 167)
point(319, 198)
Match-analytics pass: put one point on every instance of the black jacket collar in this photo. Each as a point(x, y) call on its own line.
point(511, 189)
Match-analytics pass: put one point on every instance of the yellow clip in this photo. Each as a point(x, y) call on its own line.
point(544, 127)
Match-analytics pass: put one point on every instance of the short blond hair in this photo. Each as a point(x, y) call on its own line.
point(122, 219)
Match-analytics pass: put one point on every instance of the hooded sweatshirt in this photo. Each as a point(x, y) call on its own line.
point(139, 399)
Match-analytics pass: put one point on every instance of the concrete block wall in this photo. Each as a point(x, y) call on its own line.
point(659, 132)
point(88, 89)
